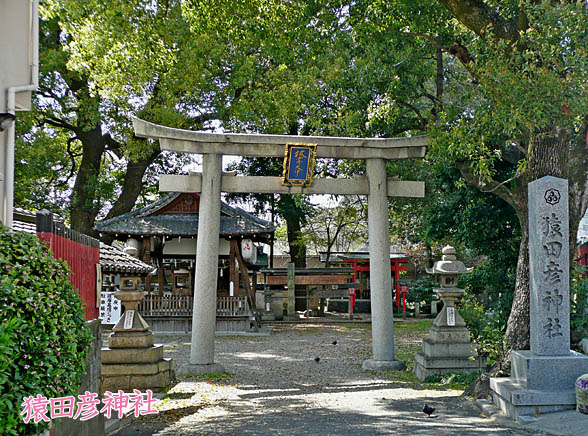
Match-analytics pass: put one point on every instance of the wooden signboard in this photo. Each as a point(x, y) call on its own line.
point(330, 279)
point(337, 293)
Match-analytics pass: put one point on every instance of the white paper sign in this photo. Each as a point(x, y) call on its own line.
point(110, 308)
point(129, 317)
point(451, 316)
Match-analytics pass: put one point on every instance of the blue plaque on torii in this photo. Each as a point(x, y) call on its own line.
point(299, 164)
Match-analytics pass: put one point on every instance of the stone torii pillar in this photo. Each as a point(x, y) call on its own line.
point(205, 282)
point(380, 279)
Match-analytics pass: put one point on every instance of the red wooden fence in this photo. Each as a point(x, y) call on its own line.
point(582, 254)
point(81, 252)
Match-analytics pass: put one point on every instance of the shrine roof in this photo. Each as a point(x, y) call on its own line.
point(113, 260)
point(161, 219)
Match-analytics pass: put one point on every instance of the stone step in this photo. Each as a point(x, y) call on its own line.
point(447, 349)
point(136, 368)
point(457, 363)
point(132, 355)
point(517, 395)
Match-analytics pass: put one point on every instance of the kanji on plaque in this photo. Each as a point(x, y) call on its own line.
point(299, 164)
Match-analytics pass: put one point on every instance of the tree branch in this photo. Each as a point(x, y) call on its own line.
point(422, 120)
point(493, 186)
point(482, 19)
point(55, 122)
point(429, 38)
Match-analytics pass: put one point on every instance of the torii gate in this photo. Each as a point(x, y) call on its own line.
point(211, 182)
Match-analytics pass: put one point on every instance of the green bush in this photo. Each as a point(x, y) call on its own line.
point(486, 329)
point(579, 301)
point(421, 290)
point(44, 338)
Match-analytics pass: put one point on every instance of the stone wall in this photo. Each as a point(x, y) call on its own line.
point(91, 382)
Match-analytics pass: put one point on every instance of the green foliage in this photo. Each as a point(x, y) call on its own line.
point(44, 338)
point(421, 290)
point(9, 353)
point(486, 328)
point(579, 300)
point(521, 90)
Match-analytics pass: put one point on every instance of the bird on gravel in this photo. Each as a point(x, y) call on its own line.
point(334, 342)
point(317, 359)
point(428, 410)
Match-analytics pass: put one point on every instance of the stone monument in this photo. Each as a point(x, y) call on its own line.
point(131, 360)
point(542, 378)
point(447, 349)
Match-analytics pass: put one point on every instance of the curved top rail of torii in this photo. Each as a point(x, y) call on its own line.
point(261, 145)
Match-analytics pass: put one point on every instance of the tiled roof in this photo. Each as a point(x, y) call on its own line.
point(112, 260)
point(143, 222)
point(23, 226)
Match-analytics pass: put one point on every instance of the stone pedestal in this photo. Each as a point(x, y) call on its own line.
point(542, 379)
point(132, 360)
point(447, 349)
point(268, 314)
point(538, 384)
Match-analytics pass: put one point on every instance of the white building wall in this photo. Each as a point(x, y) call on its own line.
point(187, 246)
point(15, 50)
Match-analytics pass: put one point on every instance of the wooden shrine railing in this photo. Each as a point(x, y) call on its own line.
point(181, 305)
point(232, 306)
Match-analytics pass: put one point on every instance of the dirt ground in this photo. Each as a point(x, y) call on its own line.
point(274, 386)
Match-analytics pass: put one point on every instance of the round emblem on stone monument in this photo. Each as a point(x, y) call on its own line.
point(552, 196)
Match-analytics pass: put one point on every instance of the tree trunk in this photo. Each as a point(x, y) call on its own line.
point(132, 185)
point(297, 255)
point(555, 154)
point(84, 205)
point(517, 335)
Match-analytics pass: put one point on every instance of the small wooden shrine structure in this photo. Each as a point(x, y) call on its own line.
point(164, 234)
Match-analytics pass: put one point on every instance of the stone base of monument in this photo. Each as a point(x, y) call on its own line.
point(131, 360)
point(447, 350)
point(383, 365)
point(538, 384)
point(135, 368)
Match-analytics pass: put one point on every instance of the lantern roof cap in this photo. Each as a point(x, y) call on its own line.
point(449, 264)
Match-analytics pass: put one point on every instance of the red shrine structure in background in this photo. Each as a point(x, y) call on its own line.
point(360, 262)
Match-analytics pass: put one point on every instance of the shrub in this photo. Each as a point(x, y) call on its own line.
point(43, 334)
point(486, 328)
point(579, 302)
point(422, 290)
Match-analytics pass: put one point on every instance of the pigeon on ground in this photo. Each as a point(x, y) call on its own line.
point(317, 359)
point(428, 410)
point(334, 342)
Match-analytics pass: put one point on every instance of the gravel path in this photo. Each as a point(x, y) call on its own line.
point(277, 388)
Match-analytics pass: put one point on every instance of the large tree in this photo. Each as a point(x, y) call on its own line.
point(528, 68)
point(506, 103)
point(76, 152)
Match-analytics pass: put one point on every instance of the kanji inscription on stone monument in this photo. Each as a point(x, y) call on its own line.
point(549, 266)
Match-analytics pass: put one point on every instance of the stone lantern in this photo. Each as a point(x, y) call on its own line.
point(132, 360)
point(447, 348)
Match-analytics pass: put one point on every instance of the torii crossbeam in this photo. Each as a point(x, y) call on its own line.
point(212, 182)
